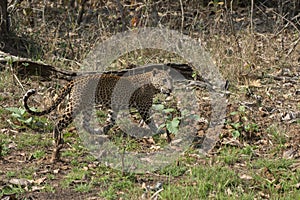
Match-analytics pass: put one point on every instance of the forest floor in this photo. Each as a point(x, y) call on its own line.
point(256, 156)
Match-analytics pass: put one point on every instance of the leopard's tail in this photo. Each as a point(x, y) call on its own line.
point(63, 93)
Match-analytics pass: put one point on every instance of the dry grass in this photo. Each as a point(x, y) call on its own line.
point(53, 34)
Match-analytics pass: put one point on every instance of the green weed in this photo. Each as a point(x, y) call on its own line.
point(75, 174)
point(204, 182)
point(83, 187)
point(21, 120)
point(278, 136)
point(38, 154)
point(243, 127)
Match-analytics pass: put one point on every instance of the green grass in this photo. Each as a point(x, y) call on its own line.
point(278, 135)
point(223, 182)
point(30, 140)
point(203, 182)
point(10, 190)
point(48, 188)
point(74, 175)
point(38, 154)
point(173, 170)
point(10, 174)
point(83, 187)
point(231, 155)
point(114, 189)
point(4, 142)
point(220, 177)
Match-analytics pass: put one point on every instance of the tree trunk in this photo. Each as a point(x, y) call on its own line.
point(4, 26)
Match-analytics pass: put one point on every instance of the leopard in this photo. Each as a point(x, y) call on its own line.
point(110, 91)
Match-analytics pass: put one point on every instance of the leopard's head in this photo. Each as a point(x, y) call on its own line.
point(162, 81)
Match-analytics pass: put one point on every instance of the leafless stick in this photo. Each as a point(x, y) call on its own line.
point(120, 6)
point(283, 17)
point(182, 15)
point(81, 11)
point(17, 79)
point(251, 17)
point(293, 47)
point(156, 193)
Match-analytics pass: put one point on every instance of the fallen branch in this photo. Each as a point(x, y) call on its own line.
point(24, 67)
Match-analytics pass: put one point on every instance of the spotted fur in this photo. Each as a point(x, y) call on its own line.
point(111, 92)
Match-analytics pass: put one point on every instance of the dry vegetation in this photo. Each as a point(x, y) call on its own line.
point(256, 47)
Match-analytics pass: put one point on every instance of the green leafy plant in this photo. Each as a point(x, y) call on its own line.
point(20, 115)
point(237, 129)
point(21, 119)
point(173, 118)
point(243, 125)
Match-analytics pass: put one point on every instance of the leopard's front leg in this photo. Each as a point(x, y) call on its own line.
point(110, 122)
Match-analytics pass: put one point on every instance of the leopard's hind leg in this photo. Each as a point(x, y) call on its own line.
point(62, 123)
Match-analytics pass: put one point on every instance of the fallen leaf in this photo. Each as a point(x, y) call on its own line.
point(21, 181)
point(37, 188)
point(246, 177)
point(40, 180)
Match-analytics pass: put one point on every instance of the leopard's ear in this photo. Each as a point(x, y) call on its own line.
point(155, 71)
